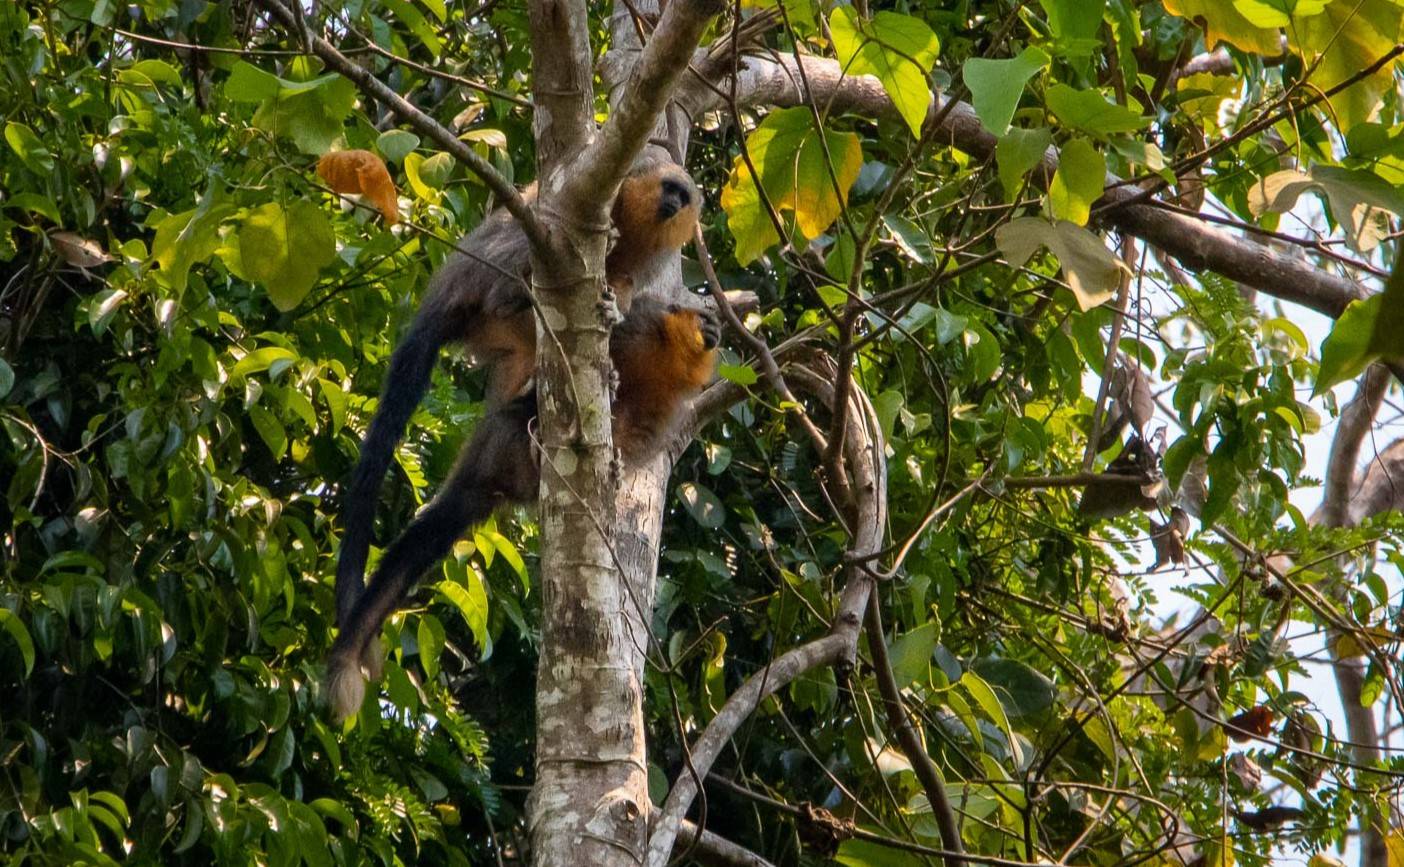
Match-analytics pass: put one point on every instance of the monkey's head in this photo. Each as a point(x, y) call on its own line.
point(656, 209)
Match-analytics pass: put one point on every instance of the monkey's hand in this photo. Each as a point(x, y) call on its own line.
point(708, 327)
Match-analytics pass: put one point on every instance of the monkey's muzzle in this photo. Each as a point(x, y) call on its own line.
point(673, 197)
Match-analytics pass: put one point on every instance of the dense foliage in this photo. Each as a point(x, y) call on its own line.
point(193, 330)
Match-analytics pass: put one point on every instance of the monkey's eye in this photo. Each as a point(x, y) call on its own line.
point(676, 192)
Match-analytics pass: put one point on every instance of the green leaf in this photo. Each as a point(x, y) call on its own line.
point(150, 72)
point(29, 148)
point(702, 505)
point(7, 378)
point(186, 239)
point(899, 50)
point(285, 249)
point(1387, 337)
point(789, 154)
point(911, 238)
point(1278, 13)
point(470, 598)
point(436, 170)
point(1022, 689)
point(1092, 271)
point(1075, 24)
point(336, 400)
point(269, 429)
point(988, 702)
point(310, 113)
point(982, 352)
point(103, 307)
point(35, 203)
point(248, 83)
point(1224, 22)
point(911, 654)
point(396, 144)
point(741, 374)
point(1340, 39)
point(417, 24)
point(1345, 352)
point(1081, 177)
point(10, 622)
point(1090, 112)
point(996, 85)
point(1019, 151)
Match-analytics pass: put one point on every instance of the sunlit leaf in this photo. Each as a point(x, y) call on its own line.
point(1093, 272)
point(996, 85)
point(898, 49)
point(789, 154)
point(1081, 176)
point(285, 249)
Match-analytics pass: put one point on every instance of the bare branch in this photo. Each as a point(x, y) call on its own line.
point(1382, 489)
point(865, 457)
point(776, 81)
point(912, 746)
point(650, 84)
point(716, 851)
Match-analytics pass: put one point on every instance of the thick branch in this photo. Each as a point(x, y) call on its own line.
point(562, 81)
point(864, 453)
point(776, 81)
point(1382, 489)
point(1356, 420)
point(426, 125)
point(650, 85)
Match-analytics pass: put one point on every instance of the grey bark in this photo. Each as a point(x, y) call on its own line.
point(589, 804)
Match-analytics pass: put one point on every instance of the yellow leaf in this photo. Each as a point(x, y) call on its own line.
point(1223, 23)
point(1349, 36)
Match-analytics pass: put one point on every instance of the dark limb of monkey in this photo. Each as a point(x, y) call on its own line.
point(481, 297)
point(663, 354)
point(497, 467)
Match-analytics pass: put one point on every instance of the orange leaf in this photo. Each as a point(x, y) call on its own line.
point(1253, 721)
point(359, 172)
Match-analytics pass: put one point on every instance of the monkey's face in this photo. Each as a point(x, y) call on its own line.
point(657, 208)
point(674, 195)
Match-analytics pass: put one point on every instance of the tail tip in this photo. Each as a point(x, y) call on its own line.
point(345, 688)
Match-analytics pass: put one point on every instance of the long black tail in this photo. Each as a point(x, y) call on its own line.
point(496, 467)
point(411, 367)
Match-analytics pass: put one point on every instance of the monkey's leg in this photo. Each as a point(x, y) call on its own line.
point(494, 468)
point(411, 367)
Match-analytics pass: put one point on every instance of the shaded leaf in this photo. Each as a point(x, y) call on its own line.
point(1092, 270)
point(1018, 152)
point(1090, 112)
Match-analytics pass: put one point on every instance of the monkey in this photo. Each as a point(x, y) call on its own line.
point(482, 300)
point(662, 354)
